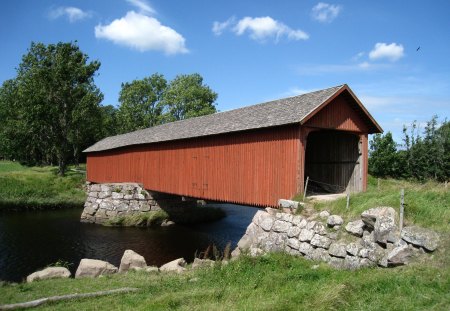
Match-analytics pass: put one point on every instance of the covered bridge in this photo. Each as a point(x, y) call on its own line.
point(253, 155)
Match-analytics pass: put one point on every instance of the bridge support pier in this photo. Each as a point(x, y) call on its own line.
point(108, 201)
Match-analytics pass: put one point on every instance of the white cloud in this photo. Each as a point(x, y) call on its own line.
point(142, 5)
point(325, 13)
point(72, 13)
point(142, 33)
point(392, 52)
point(260, 29)
point(218, 27)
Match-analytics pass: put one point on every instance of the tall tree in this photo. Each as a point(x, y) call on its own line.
point(140, 103)
point(186, 96)
point(56, 101)
point(383, 160)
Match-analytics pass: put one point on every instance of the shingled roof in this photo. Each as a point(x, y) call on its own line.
point(274, 113)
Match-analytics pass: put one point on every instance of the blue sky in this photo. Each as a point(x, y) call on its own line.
point(254, 51)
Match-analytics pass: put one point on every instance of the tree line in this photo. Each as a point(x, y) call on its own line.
point(423, 154)
point(50, 112)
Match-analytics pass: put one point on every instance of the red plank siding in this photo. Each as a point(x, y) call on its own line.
point(255, 167)
point(338, 115)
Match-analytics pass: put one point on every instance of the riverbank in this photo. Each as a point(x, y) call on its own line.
point(28, 188)
point(281, 281)
point(272, 282)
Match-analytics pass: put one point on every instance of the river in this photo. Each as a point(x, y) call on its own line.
point(33, 240)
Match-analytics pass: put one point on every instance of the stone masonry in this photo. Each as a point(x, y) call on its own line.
point(106, 201)
point(374, 240)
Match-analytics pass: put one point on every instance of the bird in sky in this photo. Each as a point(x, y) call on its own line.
point(418, 49)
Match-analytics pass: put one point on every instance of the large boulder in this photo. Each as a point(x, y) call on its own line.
point(370, 216)
point(49, 273)
point(422, 237)
point(355, 227)
point(399, 255)
point(177, 265)
point(384, 225)
point(132, 260)
point(94, 268)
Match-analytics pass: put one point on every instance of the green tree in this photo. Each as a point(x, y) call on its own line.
point(56, 102)
point(109, 125)
point(383, 158)
point(140, 103)
point(186, 96)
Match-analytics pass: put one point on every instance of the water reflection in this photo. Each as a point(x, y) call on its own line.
point(32, 240)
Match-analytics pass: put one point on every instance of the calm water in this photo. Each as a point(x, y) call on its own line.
point(33, 240)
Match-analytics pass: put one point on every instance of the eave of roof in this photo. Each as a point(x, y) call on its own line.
point(296, 109)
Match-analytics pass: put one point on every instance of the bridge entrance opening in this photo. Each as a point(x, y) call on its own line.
point(333, 162)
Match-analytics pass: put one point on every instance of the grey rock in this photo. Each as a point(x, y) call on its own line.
point(296, 220)
point(324, 214)
point(319, 254)
point(94, 268)
point(95, 187)
point(284, 217)
point(281, 226)
point(245, 242)
point(303, 223)
point(177, 265)
point(293, 231)
point(145, 207)
point(384, 225)
point(366, 263)
point(267, 223)
point(320, 241)
point(131, 260)
point(49, 273)
point(202, 263)
point(353, 249)
point(310, 225)
point(371, 215)
point(333, 235)
point(399, 256)
point(259, 216)
point(116, 195)
point(288, 204)
point(319, 228)
point(337, 250)
point(305, 248)
point(271, 211)
point(351, 263)
point(334, 220)
point(355, 227)
point(293, 243)
point(422, 237)
point(256, 251)
point(306, 235)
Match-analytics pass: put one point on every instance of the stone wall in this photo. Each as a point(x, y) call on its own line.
point(107, 201)
point(370, 241)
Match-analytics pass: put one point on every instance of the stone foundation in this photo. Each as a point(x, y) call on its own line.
point(374, 240)
point(107, 201)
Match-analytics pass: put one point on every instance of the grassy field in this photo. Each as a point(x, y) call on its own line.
point(280, 281)
point(427, 204)
point(38, 187)
point(274, 282)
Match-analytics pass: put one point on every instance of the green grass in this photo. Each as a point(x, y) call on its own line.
point(24, 188)
point(427, 204)
point(273, 282)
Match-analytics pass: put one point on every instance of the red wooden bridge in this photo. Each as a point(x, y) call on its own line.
point(253, 155)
